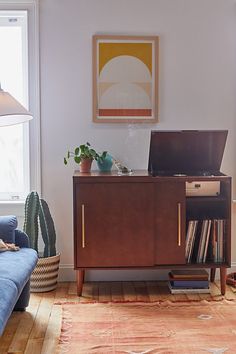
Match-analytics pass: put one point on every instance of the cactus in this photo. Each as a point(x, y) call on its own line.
point(47, 229)
point(37, 213)
point(31, 219)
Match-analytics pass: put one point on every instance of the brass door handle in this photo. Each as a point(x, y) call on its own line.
point(83, 225)
point(179, 225)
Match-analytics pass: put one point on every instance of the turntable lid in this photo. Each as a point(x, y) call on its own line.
point(191, 152)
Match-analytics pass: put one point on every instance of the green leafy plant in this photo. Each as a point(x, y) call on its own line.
point(84, 151)
point(37, 214)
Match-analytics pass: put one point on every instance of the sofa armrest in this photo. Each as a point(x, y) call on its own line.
point(21, 239)
point(8, 225)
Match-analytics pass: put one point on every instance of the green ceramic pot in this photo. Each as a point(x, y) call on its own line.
point(106, 164)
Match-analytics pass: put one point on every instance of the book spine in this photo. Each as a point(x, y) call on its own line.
point(190, 284)
point(192, 229)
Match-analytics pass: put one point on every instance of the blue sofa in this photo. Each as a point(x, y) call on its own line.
point(15, 270)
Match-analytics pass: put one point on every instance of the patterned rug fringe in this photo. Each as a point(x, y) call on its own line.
point(65, 337)
point(160, 302)
point(216, 299)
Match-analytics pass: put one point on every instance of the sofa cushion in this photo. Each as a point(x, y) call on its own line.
point(8, 296)
point(8, 225)
point(18, 266)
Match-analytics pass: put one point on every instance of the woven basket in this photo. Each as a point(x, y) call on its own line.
point(44, 276)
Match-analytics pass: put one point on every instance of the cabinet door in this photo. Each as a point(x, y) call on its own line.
point(114, 224)
point(170, 223)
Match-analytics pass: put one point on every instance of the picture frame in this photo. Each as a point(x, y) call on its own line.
point(125, 79)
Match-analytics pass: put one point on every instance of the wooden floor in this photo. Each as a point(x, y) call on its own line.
point(37, 330)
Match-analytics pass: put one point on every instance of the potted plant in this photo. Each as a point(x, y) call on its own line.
point(37, 215)
point(84, 156)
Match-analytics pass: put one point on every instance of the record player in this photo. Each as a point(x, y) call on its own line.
point(188, 153)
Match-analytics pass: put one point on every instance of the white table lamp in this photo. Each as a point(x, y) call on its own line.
point(11, 111)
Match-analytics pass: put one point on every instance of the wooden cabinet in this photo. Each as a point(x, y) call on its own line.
point(169, 222)
point(140, 221)
point(114, 224)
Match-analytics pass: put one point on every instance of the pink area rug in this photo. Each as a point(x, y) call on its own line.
point(148, 328)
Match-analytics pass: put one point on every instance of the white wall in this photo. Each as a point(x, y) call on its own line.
point(197, 86)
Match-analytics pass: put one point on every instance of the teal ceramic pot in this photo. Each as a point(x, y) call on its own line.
point(106, 165)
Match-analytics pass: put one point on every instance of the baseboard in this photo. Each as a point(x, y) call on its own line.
point(233, 268)
point(67, 273)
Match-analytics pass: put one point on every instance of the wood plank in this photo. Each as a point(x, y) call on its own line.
point(22, 333)
point(54, 326)
point(233, 291)
point(36, 338)
point(95, 291)
point(61, 293)
point(153, 291)
point(229, 295)
point(180, 297)
point(72, 289)
point(87, 293)
point(215, 292)
point(9, 332)
point(207, 297)
point(141, 291)
point(117, 291)
point(129, 293)
point(104, 291)
point(168, 296)
point(164, 291)
point(34, 346)
point(193, 297)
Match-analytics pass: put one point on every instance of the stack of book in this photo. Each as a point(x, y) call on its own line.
point(188, 281)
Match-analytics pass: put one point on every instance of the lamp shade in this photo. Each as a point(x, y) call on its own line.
point(11, 111)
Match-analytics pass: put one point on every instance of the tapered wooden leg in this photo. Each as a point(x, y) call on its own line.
point(213, 274)
point(80, 281)
point(222, 280)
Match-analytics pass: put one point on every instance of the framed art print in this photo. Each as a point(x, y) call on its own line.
point(125, 79)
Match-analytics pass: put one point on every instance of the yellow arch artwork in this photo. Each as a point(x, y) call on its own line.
point(125, 86)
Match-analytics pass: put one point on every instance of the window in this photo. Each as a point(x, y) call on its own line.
point(14, 140)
